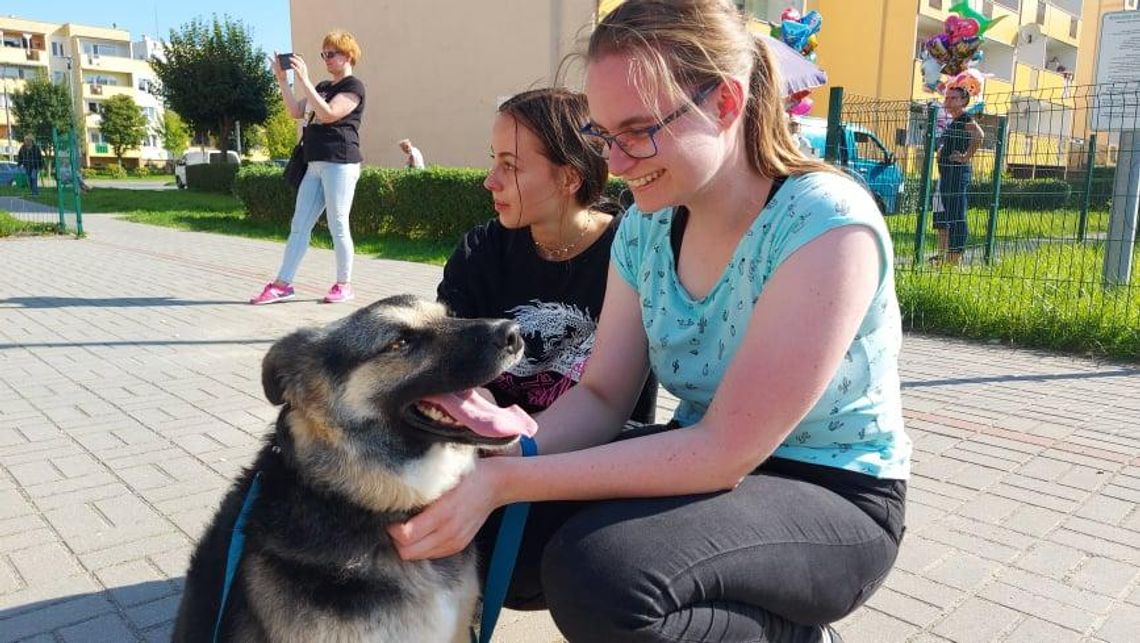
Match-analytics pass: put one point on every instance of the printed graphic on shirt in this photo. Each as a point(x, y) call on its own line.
point(566, 333)
point(560, 338)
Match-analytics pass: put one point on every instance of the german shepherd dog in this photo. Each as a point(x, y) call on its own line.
point(378, 418)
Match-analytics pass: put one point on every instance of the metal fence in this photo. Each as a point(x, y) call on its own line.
point(1040, 239)
point(57, 206)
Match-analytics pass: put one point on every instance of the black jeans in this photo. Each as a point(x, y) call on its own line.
point(792, 547)
point(954, 187)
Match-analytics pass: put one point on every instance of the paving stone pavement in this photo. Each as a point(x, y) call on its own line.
point(130, 395)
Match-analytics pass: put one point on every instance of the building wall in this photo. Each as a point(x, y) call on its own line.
point(866, 47)
point(435, 70)
point(67, 54)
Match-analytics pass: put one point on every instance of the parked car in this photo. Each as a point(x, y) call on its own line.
point(862, 154)
point(11, 174)
point(197, 157)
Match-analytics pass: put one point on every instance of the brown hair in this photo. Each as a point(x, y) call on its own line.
point(343, 42)
point(682, 44)
point(556, 117)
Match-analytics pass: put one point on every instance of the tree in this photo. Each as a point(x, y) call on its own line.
point(213, 76)
point(280, 133)
point(174, 133)
point(123, 124)
point(252, 138)
point(39, 107)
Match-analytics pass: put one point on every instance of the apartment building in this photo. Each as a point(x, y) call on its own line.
point(94, 63)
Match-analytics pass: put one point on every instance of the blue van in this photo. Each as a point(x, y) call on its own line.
point(862, 154)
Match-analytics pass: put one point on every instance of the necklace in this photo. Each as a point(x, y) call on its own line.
point(564, 251)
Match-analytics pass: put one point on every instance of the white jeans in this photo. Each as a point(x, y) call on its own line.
point(326, 187)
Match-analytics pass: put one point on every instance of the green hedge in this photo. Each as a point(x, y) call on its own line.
point(436, 203)
point(212, 177)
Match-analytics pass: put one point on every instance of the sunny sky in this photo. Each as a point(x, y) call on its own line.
point(268, 19)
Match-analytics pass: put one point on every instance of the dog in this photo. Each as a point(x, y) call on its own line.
point(378, 418)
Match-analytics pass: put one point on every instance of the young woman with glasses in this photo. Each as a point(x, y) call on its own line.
point(758, 285)
point(543, 260)
point(332, 110)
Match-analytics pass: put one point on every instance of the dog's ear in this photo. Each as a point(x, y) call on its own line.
point(281, 367)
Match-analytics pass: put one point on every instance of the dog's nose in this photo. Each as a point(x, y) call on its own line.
point(508, 337)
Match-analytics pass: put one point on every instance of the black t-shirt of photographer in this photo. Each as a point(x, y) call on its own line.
point(337, 142)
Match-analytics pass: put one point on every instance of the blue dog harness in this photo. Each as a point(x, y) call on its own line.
point(503, 557)
point(237, 544)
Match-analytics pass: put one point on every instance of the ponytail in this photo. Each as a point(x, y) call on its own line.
point(771, 149)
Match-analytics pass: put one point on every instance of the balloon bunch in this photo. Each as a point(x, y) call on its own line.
point(800, 33)
point(953, 50)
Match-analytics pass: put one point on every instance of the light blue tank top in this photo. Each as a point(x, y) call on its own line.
point(857, 425)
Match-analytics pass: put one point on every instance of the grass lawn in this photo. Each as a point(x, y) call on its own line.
point(1012, 226)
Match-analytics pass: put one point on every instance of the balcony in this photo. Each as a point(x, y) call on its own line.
point(103, 91)
point(23, 57)
point(116, 64)
point(1055, 21)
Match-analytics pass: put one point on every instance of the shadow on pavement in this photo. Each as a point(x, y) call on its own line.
point(1123, 372)
point(122, 613)
point(141, 342)
point(112, 302)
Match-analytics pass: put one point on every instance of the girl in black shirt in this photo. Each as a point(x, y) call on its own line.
point(543, 261)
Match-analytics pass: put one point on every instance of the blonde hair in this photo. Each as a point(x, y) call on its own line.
point(682, 44)
point(343, 42)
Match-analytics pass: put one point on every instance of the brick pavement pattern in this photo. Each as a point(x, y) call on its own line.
point(130, 395)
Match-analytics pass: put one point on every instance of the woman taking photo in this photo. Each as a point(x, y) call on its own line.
point(332, 110)
point(758, 284)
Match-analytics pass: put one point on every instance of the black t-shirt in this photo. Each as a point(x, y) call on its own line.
point(496, 272)
point(955, 139)
point(339, 141)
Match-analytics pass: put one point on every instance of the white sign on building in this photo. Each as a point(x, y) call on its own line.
point(1116, 104)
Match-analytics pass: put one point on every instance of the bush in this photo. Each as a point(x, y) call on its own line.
point(1022, 194)
point(436, 203)
point(115, 172)
point(141, 171)
point(212, 177)
point(86, 172)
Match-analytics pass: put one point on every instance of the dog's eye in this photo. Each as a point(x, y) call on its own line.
point(398, 345)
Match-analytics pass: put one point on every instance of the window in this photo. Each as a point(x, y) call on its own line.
point(96, 136)
point(94, 107)
point(867, 147)
point(56, 48)
point(57, 77)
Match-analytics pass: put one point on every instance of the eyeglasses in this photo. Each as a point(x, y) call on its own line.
point(329, 55)
point(641, 143)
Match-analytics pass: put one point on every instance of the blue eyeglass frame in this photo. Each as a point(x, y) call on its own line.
point(610, 140)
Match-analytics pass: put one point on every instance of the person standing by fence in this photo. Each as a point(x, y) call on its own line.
point(32, 160)
point(956, 150)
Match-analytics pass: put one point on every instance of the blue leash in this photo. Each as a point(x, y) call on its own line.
point(503, 557)
point(237, 543)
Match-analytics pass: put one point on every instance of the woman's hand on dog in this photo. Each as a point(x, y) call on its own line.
point(450, 523)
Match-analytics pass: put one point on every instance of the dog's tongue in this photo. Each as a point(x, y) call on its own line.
point(485, 417)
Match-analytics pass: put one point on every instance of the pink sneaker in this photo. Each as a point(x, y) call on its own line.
point(339, 293)
point(272, 293)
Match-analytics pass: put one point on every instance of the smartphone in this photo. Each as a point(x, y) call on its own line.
point(283, 60)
